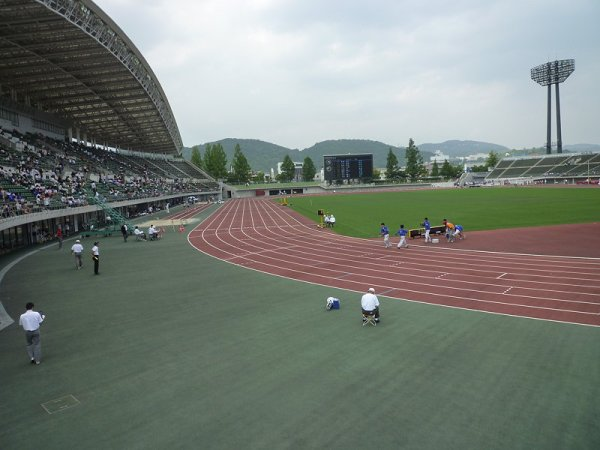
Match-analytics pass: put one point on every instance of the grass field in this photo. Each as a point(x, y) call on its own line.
point(359, 215)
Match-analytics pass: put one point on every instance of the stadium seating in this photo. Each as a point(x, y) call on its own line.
point(567, 167)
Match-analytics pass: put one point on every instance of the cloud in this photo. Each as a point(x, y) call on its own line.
point(295, 72)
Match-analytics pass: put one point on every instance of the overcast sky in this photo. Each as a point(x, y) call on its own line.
point(296, 72)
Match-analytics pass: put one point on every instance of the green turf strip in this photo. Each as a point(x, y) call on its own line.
point(169, 348)
point(475, 208)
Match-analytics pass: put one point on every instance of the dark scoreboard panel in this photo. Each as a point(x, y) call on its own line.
point(348, 167)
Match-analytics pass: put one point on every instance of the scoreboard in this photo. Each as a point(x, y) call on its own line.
point(348, 167)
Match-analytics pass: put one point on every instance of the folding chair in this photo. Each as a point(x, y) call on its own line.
point(369, 318)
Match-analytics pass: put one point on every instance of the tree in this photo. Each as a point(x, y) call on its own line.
point(240, 167)
point(482, 168)
point(447, 171)
point(288, 169)
point(376, 174)
point(435, 170)
point(197, 157)
point(391, 168)
point(492, 160)
point(414, 161)
point(308, 169)
point(259, 177)
point(215, 161)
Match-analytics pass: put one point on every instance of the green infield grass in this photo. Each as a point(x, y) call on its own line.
point(476, 209)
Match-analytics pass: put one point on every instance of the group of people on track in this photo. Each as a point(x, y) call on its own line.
point(452, 232)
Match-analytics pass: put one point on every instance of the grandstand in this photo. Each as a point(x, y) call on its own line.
point(564, 168)
point(85, 126)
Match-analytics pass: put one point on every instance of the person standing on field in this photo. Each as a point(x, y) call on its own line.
point(96, 257)
point(77, 250)
point(31, 320)
point(59, 236)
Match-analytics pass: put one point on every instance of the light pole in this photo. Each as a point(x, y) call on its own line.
point(547, 74)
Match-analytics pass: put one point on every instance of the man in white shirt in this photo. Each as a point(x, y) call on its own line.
point(152, 233)
point(331, 220)
point(77, 250)
point(139, 234)
point(370, 304)
point(96, 257)
point(30, 320)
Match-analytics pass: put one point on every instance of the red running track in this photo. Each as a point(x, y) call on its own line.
point(260, 234)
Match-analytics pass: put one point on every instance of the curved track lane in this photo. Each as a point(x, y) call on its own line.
point(262, 235)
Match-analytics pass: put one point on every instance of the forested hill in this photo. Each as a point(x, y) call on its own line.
point(265, 155)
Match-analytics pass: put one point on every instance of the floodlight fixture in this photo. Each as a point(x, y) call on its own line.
point(547, 74)
point(553, 72)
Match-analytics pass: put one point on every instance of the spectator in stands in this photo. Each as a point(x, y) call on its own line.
point(370, 304)
point(77, 250)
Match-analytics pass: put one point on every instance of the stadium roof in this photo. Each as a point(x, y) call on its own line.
point(68, 58)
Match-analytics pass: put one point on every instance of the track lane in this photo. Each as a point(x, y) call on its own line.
point(264, 236)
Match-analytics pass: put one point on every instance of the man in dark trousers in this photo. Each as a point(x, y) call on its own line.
point(125, 232)
point(96, 257)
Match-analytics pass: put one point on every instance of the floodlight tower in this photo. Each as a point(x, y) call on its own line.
point(554, 72)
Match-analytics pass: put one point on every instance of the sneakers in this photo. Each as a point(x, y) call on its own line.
point(33, 361)
point(37, 362)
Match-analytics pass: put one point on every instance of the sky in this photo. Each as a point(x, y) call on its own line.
point(297, 72)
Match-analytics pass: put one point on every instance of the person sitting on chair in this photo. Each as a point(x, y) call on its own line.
point(152, 233)
point(139, 234)
point(370, 304)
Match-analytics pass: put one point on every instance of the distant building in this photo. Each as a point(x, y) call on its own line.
point(439, 157)
point(477, 157)
point(297, 170)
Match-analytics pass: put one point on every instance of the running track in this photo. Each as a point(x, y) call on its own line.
point(260, 234)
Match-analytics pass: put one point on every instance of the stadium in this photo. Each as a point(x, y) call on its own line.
point(216, 335)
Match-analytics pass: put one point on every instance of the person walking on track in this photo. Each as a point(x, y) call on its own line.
point(402, 233)
point(385, 232)
point(427, 227)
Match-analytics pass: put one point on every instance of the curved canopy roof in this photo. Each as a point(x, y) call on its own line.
point(68, 58)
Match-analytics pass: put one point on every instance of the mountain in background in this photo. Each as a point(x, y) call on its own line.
point(582, 148)
point(264, 156)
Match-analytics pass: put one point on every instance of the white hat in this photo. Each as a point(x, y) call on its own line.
point(77, 241)
point(371, 290)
